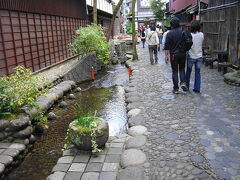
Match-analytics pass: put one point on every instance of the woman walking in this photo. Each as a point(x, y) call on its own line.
point(195, 56)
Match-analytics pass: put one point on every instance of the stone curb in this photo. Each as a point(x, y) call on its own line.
point(133, 159)
point(21, 129)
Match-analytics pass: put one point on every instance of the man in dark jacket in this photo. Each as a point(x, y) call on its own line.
point(177, 56)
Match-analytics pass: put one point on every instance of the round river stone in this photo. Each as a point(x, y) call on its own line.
point(137, 130)
point(132, 157)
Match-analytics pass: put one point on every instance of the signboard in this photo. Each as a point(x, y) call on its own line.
point(144, 3)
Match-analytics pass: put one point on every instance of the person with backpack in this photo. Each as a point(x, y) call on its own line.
point(143, 36)
point(195, 56)
point(177, 43)
point(153, 44)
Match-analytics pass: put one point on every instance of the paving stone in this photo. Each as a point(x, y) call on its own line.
point(99, 158)
point(137, 130)
point(56, 176)
point(19, 147)
point(11, 152)
point(108, 176)
point(81, 158)
point(116, 145)
point(134, 112)
point(90, 176)
point(115, 151)
point(136, 142)
point(110, 167)
point(2, 168)
point(197, 159)
point(131, 173)
point(6, 160)
point(73, 176)
point(94, 167)
point(210, 156)
point(113, 158)
point(65, 159)
point(196, 171)
point(2, 150)
point(132, 157)
point(61, 168)
point(171, 136)
point(78, 167)
point(136, 120)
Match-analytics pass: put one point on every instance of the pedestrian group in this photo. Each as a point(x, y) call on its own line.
point(180, 45)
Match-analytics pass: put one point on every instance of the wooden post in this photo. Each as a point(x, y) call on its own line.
point(95, 11)
point(134, 42)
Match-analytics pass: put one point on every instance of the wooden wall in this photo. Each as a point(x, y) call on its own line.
point(221, 27)
point(34, 40)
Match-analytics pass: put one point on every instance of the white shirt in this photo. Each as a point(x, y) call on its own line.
point(152, 38)
point(148, 30)
point(164, 38)
point(196, 50)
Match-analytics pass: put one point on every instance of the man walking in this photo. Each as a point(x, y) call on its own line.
point(153, 44)
point(174, 39)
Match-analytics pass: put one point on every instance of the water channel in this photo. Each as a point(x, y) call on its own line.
point(105, 95)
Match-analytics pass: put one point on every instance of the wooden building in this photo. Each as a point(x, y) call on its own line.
point(221, 26)
point(36, 33)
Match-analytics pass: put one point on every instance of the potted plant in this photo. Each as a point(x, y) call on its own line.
point(88, 132)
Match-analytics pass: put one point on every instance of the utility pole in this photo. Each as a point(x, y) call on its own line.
point(134, 43)
point(95, 11)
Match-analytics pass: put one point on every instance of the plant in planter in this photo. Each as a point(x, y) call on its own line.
point(87, 132)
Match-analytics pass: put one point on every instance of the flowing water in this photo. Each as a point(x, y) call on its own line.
point(105, 96)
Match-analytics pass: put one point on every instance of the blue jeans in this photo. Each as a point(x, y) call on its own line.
point(143, 42)
point(197, 81)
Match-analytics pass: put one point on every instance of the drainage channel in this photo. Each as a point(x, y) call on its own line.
point(105, 96)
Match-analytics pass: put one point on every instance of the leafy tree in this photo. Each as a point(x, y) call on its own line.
point(158, 8)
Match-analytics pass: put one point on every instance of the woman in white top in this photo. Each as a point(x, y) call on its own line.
point(195, 56)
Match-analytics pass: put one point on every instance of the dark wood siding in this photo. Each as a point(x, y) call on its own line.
point(34, 40)
point(66, 8)
point(221, 27)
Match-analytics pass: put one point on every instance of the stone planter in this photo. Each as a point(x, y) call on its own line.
point(82, 140)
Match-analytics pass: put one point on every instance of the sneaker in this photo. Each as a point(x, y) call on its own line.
point(175, 91)
point(184, 87)
point(196, 91)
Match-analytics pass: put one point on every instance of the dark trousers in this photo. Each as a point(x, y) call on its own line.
point(153, 50)
point(178, 64)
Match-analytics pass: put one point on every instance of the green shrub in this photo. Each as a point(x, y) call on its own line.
point(237, 74)
point(89, 39)
point(19, 89)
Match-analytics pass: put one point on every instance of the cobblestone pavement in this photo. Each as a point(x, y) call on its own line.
point(192, 136)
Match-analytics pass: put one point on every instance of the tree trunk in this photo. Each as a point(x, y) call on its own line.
point(134, 42)
point(95, 11)
point(116, 9)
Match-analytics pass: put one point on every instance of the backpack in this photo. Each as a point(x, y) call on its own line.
point(152, 38)
point(186, 42)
